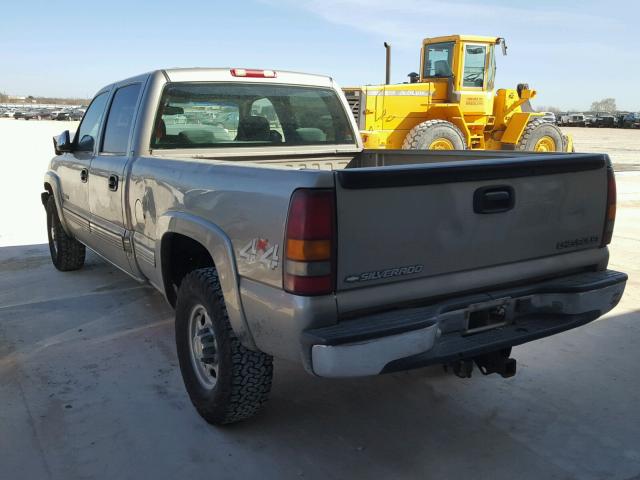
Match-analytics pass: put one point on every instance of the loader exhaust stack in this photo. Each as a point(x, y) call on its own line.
point(387, 77)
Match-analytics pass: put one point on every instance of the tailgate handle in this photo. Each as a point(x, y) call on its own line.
point(494, 199)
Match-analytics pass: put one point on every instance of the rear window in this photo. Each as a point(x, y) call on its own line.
point(210, 115)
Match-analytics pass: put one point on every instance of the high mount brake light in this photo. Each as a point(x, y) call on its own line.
point(252, 73)
point(610, 215)
point(309, 267)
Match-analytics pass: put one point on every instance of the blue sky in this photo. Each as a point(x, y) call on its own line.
point(572, 52)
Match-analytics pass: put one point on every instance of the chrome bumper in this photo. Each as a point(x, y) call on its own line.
point(404, 339)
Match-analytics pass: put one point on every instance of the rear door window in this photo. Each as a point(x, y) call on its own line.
point(120, 119)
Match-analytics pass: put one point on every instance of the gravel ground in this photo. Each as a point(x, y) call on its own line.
point(622, 145)
point(89, 385)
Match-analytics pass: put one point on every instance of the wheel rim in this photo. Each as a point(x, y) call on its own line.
point(441, 144)
point(545, 144)
point(203, 347)
point(54, 245)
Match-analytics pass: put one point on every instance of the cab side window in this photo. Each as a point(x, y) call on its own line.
point(120, 119)
point(474, 61)
point(88, 131)
point(438, 60)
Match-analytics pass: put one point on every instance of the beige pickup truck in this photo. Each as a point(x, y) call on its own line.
point(245, 197)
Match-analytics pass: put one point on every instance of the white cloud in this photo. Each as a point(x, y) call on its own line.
point(406, 21)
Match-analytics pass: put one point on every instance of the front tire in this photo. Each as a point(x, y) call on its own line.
point(434, 135)
point(541, 136)
point(226, 381)
point(67, 253)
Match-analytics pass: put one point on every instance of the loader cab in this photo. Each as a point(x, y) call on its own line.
point(462, 69)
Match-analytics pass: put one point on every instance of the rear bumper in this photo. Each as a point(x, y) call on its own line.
point(404, 339)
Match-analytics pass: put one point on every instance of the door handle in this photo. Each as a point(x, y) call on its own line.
point(84, 175)
point(113, 183)
point(494, 199)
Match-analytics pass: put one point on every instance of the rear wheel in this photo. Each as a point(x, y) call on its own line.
point(434, 135)
point(226, 382)
point(66, 252)
point(541, 136)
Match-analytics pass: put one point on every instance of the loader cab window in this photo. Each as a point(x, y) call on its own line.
point(438, 59)
point(475, 57)
point(491, 73)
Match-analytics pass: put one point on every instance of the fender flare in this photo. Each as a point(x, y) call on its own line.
point(220, 248)
point(451, 113)
point(53, 182)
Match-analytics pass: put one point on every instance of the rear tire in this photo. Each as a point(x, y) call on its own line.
point(226, 382)
point(541, 136)
point(435, 135)
point(67, 253)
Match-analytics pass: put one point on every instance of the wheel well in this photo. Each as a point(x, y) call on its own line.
point(180, 255)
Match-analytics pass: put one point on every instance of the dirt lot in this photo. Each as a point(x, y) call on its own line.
point(89, 386)
point(622, 145)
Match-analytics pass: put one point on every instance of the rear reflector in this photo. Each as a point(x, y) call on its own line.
point(310, 243)
point(610, 216)
point(252, 73)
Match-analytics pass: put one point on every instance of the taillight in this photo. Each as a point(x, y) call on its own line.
point(252, 73)
point(309, 267)
point(610, 217)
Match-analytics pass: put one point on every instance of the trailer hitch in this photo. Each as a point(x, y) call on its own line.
point(497, 362)
point(494, 362)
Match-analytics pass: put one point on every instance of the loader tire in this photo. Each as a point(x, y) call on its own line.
point(541, 136)
point(435, 135)
point(226, 381)
point(67, 253)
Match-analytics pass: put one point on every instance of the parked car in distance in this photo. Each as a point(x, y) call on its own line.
point(602, 121)
point(631, 120)
point(31, 115)
point(293, 242)
point(76, 115)
point(549, 117)
point(44, 114)
point(573, 120)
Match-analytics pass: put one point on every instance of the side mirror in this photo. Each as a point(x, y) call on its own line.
point(62, 143)
point(501, 41)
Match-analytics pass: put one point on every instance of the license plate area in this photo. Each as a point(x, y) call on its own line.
point(486, 316)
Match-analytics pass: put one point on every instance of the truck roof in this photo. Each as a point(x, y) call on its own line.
point(224, 74)
point(205, 74)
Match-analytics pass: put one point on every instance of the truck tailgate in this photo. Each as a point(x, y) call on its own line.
point(408, 222)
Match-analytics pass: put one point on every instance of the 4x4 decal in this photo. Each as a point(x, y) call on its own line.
point(258, 250)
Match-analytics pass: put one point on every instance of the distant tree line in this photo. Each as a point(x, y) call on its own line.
point(5, 98)
point(606, 105)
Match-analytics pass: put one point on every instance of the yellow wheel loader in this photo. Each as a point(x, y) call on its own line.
point(452, 104)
